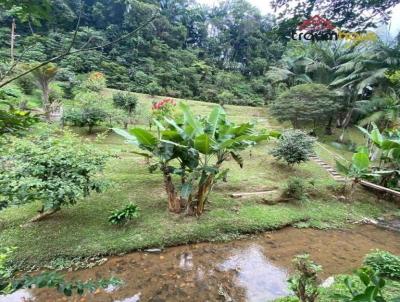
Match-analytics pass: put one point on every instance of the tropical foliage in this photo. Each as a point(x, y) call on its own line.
point(124, 215)
point(194, 149)
point(58, 171)
point(294, 147)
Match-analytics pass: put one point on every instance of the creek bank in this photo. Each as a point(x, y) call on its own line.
point(251, 270)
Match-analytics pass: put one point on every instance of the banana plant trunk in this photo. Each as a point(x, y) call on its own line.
point(202, 194)
point(174, 204)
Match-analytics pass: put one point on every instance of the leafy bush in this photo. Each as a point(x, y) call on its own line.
point(58, 171)
point(225, 97)
point(371, 291)
point(5, 271)
point(153, 89)
point(163, 108)
point(305, 283)
point(27, 84)
point(294, 147)
point(10, 92)
point(88, 112)
point(295, 188)
point(13, 120)
point(385, 263)
point(124, 215)
point(305, 103)
point(126, 102)
point(85, 117)
point(96, 81)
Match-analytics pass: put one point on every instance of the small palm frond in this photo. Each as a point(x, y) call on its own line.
point(372, 78)
point(276, 74)
point(318, 66)
point(346, 67)
point(373, 118)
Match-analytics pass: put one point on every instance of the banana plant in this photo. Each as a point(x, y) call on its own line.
point(387, 146)
point(194, 148)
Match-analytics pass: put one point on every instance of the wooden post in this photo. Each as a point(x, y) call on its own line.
point(12, 40)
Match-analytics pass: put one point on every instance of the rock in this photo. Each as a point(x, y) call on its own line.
point(328, 282)
point(153, 250)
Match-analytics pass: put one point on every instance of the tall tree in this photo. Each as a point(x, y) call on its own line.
point(355, 14)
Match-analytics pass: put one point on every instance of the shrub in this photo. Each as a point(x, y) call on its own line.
point(387, 264)
point(14, 120)
point(5, 270)
point(225, 97)
point(124, 215)
point(10, 92)
point(295, 188)
point(305, 103)
point(58, 171)
point(85, 117)
point(305, 283)
point(27, 84)
point(153, 89)
point(126, 102)
point(88, 112)
point(162, 109)
point(294, 147)
point(96, 81)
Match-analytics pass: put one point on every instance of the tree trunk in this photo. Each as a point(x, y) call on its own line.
point(43, 215)
point(44, 84)
point(328, 128)
point(174, 204)
point(202, 194)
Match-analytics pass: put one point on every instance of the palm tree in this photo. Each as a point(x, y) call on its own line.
point(370, 68)
point(290, 71)
point(381, 110)
point(44, 76)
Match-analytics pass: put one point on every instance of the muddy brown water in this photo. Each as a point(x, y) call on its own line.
point(254, 269)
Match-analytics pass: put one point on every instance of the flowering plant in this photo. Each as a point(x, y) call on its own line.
point(96, 81)
point(163, 108)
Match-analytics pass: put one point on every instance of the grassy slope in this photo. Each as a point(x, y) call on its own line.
point(83, 230)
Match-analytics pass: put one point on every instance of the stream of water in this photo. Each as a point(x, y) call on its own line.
point(252, 270)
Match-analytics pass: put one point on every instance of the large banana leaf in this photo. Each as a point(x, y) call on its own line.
point(214, 118)
point(144, 137)
point(238, 158)
point(193, 126)
point(204, 144)
point(360, 161)
point(179, 129)
point(129, 138)
point(243, 129)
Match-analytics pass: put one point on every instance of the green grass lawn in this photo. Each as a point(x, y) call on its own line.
point(83, 230)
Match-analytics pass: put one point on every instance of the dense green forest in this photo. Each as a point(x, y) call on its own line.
point(187, 51)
